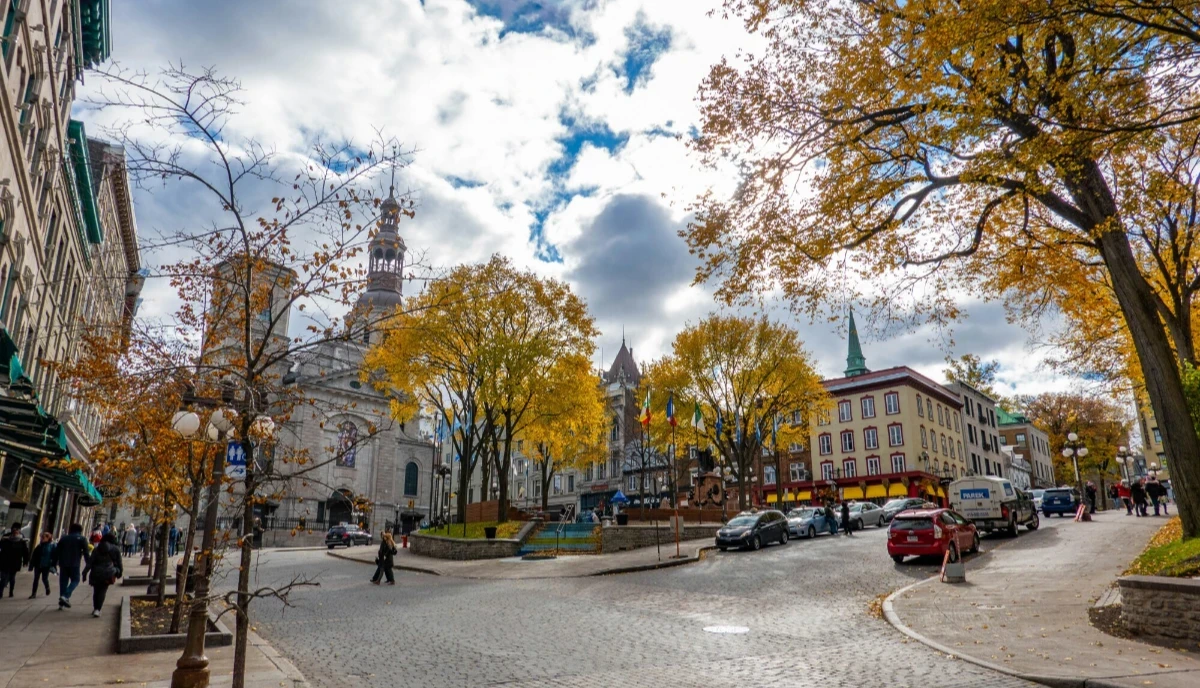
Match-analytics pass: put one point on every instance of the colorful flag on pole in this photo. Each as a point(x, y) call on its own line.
point(645, 417)
point(698, 419)
point(720, 424)
point(671, 408)
point(758, 430)
point(775, 431)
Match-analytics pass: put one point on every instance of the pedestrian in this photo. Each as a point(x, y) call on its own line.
point(1090, 491)
point(384, 560)
point(143, 546)
point(14, 555)
point(103, 569)
point(1166, 486)
point(1137, 492)
point(1155, 493)
point(41, 562)
point(846, 519)
point(1123, 492)
point(172, 541)
point(129, 540)
point(98, 533)
point(830, 520)
point(1114, 498)
point(71, 549)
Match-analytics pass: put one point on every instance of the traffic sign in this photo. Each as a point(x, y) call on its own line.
point(235, 461)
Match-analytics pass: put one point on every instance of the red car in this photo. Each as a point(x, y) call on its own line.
point(931, 532)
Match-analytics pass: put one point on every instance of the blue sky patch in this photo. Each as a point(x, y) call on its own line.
point(646, 44)
point(530, 16)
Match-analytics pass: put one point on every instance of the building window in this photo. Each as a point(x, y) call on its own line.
point(920, 408)
point(347, 446)
point(898, 463)
point(944, 445)
point(871, 438)
point(796, 472)
point(795, 417)
point(868, 407)
point(848, 441)
point(632, 484)
point(1157, 436)
point(768, 475)
point(960, 451)
point(891, 403)
point(956, 426)
point(971, 434)
point(991, 418)
point(952, 449)
point(848, 469)
point(844, 413)
point(974, 463)
point(558, 484)
point(1020, 438)
point(601, 468)
point(614, 466)
point(895, 435)
point(411, 479)
point(1003, 441)
point(614, 433)
point(570, 484)
point(924, 438)
point(940, 421)
point(795, 447)
point(588, 473)
point(929, 409)
point(823, 418)
point(825, 443)
point(827, 470)
point(872, 465)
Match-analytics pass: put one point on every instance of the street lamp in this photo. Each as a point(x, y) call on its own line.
point(1154, 470)
point(1074, 450)
point(1124, 457)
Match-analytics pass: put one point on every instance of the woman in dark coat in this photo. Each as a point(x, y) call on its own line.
point(104, 568)
point(41, 562)
point(846, 517)
point(384, 561)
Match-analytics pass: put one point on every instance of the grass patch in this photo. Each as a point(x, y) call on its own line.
point(1168, 554)
point(475, 530)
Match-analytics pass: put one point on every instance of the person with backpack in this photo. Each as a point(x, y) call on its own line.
point(385, 560)
point(41, 562)
point(72, 548)
point(103, 570)
point(14, 555)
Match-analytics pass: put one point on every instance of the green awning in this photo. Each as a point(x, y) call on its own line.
point(81, 161)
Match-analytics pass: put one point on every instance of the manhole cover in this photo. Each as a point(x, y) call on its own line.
point(726, 629)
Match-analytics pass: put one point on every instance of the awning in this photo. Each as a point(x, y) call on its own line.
point(930, 490)
point(852, 493)
point(941, 492)
point(787, 496)
point(876, 491)
point(772, 498)
point(897, 490)
point(803, 496)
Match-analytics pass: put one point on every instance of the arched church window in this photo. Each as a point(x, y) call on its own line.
point(347, 447)
point(411, 478)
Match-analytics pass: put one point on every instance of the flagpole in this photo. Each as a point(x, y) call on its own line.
point(675, 488)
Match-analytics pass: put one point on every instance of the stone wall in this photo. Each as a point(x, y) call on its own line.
point(1166, 608)
point(464, 550)
point(618, 538)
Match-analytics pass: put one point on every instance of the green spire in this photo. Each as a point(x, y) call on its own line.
point(856, 364)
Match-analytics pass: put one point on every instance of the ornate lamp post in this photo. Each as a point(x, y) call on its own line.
point(1074, 450)
point(1124, 457)
point(1154, 470)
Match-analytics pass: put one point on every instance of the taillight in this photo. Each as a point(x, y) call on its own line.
point(1004, 511)
point(937, 532)
point(345, 536)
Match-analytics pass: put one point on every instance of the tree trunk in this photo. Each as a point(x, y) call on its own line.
point(503, 472)
point(163, 565)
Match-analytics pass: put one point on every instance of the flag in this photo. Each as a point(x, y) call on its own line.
point(645, 417)
point(697, 419)
point(758, 431)
point(737, 425)
point(441, 429)
point(671, 408)
point(775, 431)
point(720, 424)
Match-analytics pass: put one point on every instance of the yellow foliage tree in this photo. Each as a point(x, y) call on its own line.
point(951, 148)
point(750, 377)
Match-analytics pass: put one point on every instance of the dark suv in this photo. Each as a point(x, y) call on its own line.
point(346, 535)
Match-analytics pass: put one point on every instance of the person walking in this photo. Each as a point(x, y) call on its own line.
point(14, 555)
point(129, 540)
point(71, 548)
point(172, 541)
point(41, 562)
point(384, 561)
point(1155, 493)
point(1123, 493)
point(143, 546)
point(1166, 498)
point(846, 519)
point(1090, 491)
point(830, 520)
point(97, 534)
point(103, 569)
point(1137, 492)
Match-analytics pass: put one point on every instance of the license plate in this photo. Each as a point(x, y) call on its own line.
point(976, 513)
point(912, 538)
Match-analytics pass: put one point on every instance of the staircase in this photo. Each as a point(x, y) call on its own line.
point(568, 538)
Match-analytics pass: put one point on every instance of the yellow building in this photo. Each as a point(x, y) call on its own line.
point(1153, 460)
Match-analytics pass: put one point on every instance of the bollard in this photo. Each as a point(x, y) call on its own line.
point(404, 541)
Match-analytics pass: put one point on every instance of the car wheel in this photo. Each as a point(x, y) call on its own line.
point(756, 543)
point(723, 549)
point(975, 543)
point(898, 558)
point(1012, 526)
point(812, 532)
point(858, 525)
point(785, 538)
point(953, 548)
point(1033, 525)
point(331, 546)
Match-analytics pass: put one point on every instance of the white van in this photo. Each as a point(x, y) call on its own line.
point(993, 503)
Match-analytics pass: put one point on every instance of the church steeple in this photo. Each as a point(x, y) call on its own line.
point(385, 259)
point(856, 363)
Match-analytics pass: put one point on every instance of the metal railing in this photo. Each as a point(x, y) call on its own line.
point(568, 517)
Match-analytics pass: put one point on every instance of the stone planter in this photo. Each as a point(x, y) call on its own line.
point(143, 581)
point(466, 550)
point(218, 635)
point(1161, 607)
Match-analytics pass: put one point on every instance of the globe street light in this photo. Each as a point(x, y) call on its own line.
point(1074, 450)
point(1123, 457)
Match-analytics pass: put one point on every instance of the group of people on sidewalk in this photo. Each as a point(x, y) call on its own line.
point(100, 562)
point(1140, 495)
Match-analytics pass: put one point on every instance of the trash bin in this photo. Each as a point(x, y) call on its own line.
point(190, 584)
point(489, 532)
point(622, 519)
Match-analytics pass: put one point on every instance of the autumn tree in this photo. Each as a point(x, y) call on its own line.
point(752, 375)
point(981, 375)
point(268, 257)
point(948, 148)
point(1102, 426)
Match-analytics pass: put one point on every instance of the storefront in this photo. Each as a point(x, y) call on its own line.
point(877, 489)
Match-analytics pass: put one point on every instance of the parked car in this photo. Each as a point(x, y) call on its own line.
point(807, 522)
point(895, 506)
point(1060, 500)
point(753, 531)
point(931, 532)
point(1037, 498)
point(347, 536)
point(864, 514)
point(992, 503)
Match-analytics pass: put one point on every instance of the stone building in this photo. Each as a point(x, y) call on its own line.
point(68, 254)
point(980, 431)
point(1153, 459)
point(1031, 443)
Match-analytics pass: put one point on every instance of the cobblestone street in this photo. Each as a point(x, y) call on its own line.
point(805, 605)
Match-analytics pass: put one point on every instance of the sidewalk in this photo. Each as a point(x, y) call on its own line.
point(567, 566)
point(47, 647)
point(1024, 609)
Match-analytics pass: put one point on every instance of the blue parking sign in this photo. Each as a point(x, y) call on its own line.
point(235, 461)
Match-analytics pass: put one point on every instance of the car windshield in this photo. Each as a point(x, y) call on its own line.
point(895, 504)
point(800, 513)
point(742, 521)
point(1037, 493)
point(912, 524)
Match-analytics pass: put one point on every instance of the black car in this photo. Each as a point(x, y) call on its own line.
point(347, 536)
point(897, 505)
point(753, 531)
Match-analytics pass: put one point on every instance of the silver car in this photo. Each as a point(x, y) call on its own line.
point(866, 514)
point(807, 522)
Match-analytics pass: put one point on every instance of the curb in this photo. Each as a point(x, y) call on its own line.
point(289, 670)
point(398, 567)
point(656, 565)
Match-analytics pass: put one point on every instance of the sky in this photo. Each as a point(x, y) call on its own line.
point(552, 131)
